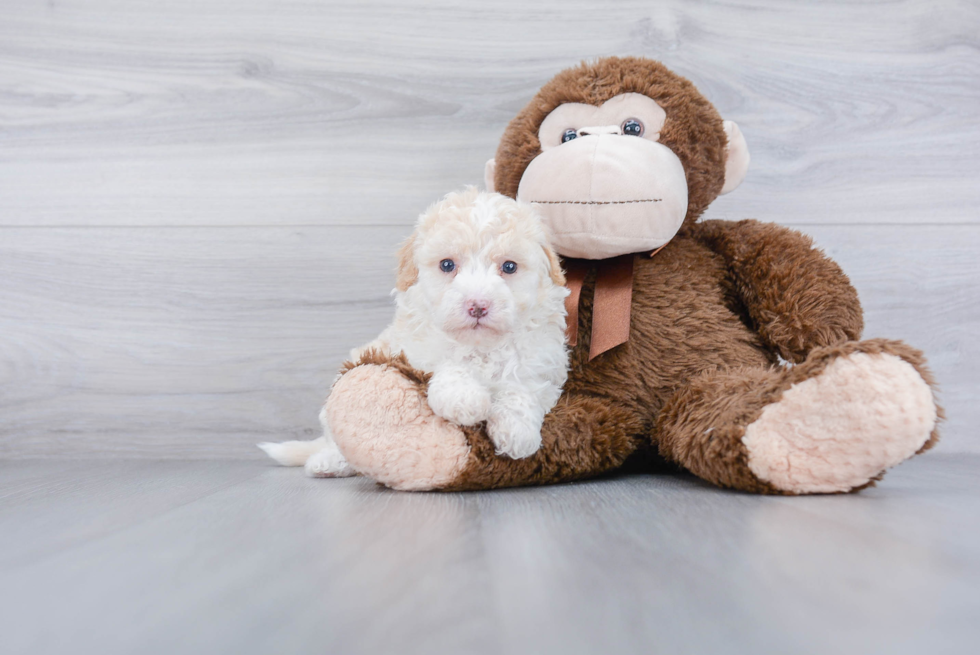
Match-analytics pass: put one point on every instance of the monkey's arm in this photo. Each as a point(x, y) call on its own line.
point(796, 297)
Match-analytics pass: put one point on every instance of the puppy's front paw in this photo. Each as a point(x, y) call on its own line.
point(513, 433)
point(460, 400)
point(329, 463)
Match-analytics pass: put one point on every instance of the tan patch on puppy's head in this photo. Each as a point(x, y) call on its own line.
point(554, 267)
point(408, 272)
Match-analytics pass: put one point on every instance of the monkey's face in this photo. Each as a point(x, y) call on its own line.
point(603, 182)
point(616, 155)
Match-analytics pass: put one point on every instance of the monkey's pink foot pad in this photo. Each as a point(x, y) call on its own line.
point(863, 414)
point(383, 425)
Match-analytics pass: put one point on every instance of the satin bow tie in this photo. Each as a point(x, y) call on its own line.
point(611, 302)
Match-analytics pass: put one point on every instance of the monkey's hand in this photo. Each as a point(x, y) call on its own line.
point(797, 297)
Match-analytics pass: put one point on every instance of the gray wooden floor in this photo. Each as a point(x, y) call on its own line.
point(240, 557)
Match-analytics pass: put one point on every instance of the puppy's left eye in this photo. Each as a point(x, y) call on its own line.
point(447, 265)
point(509, 267)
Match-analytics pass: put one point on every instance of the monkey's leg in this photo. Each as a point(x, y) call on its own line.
point(384, 427)
point(833, 423)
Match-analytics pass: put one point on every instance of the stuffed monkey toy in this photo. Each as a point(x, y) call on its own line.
point(731, 349)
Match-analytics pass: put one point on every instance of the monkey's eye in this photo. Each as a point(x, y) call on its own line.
point(509, 267)
point(569, 134)
point(447, 265)
point(632, 127)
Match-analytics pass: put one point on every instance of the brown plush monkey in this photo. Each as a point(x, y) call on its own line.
point(622, 156)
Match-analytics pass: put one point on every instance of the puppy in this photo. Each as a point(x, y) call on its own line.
point(479, 304)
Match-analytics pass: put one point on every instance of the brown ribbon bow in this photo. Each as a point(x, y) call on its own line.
point(611, 302)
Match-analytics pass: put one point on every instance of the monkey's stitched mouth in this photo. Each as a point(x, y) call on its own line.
point(593, 202)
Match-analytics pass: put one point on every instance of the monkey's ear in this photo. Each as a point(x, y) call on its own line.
point(736, 157)
point(554, 267)
point(488, 174)
point(408, 272)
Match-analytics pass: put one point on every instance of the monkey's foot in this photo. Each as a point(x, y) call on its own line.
point(842, 428)
point(384, 427)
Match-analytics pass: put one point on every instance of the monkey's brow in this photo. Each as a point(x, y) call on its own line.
point(592, 202)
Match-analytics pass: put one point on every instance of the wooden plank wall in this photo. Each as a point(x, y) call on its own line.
point(199, 199)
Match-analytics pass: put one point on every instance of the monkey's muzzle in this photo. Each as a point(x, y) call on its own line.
point(607, 195)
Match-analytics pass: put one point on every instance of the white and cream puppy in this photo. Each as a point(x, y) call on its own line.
point(480, 305)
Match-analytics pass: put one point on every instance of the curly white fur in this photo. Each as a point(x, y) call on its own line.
point(494, 340)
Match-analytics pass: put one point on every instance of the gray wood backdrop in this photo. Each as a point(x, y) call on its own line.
point(199, 200)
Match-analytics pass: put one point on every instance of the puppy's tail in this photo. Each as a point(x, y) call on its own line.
point(293, 453)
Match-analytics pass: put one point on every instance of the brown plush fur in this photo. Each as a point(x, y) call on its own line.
point(712, 314)
point(794, 301)
point(702, 426)
point(692, 344)
point(398, 362)
point(583, 437)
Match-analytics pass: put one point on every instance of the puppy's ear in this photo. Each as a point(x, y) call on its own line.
point(554, 267)
point(408, 272)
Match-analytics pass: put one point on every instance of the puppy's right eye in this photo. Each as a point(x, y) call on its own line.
point(569, 134)
point(447, 265)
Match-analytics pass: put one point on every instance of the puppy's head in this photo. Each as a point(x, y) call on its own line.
point(482, 265)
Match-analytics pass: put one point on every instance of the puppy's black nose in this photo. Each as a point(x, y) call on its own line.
point(478, 310)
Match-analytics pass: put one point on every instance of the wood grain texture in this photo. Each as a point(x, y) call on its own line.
point(199, 342)
point(199, 199)
point(170, 338)
point(245, 557)
point(269, 112)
